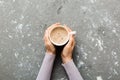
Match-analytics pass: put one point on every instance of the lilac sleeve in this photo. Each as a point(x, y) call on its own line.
point(46, 68)
point(72, 71)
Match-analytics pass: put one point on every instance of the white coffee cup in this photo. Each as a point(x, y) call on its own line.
point(59, 35)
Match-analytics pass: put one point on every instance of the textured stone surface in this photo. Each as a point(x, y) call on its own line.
point(22, 25)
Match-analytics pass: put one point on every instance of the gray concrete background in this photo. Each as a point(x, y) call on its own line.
point(22, 25)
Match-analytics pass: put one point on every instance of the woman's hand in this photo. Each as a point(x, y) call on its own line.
point(49, 46)
point(68, 49)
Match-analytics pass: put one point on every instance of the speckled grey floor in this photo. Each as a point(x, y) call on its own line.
point(22, 25)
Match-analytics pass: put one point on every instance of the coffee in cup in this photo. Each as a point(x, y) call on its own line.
point(59, 35)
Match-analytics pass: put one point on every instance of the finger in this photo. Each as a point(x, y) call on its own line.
point(47, 38)
point(44, 35)
point(70, 41)
point(73, 45)
point(47, 35)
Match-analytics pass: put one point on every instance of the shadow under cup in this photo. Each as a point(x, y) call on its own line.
point(59, 36)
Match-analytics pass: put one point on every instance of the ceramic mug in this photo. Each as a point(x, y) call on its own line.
point(59, 35)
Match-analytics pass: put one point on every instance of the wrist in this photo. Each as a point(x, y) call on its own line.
point(52, 53)
point(65, 60)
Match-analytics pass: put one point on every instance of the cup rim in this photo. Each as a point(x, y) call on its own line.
point(57, 44)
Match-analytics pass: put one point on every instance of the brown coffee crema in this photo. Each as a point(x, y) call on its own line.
point(59, 35)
